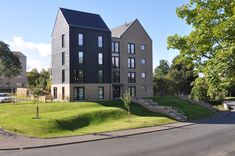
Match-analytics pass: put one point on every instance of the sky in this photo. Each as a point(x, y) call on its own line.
point(26, 25)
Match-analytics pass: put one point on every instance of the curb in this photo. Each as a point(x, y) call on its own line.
point(113, 137)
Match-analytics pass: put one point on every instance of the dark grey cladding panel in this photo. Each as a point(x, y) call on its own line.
point(91, 50)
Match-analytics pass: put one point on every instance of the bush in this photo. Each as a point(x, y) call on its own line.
point(199, 90)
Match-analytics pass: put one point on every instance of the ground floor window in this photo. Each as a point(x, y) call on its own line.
point(55, 92)
point(63, 93)
point(101, 93)
point(79, 93)
point(132, 90)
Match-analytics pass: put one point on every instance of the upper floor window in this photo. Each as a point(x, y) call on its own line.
point(80, 39)
point(101, 77)
point(131, 62)
point(62, 41)
point(115, 47)
point(142, 46)
point(80, 57)
point(78, 75)
point(63, 75)
point(100, 41)
point(100, 58)
point(143, 75)
point(143, 61)
point(131, 77)
point(100, 92)
point(115, 61)
point(63, 58)
point(131, 48)
point(116, 76)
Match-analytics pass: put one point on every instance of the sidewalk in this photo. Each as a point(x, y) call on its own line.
point(10, 141)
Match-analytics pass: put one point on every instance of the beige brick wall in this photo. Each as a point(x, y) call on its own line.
point(137, 35)
point(91, 91)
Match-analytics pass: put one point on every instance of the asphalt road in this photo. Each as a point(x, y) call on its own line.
point(215, 138)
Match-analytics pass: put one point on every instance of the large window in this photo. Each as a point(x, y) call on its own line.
point(100, 58)
point(63, 75)
point(131, 77)
point(116, 76)
point(80, 57)
point(100, 76)
point(62, 41)
point(131, 62)
point(80, 39)
point(101, 93)
point(132, 90)
point(115, 61)
point(100, 41)
point(115, 47)
point(63, 61)
point(131, 48)
point(78, 93)
point(78, 75)
point(55, 92)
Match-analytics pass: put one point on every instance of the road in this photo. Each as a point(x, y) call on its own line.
point(215, 138)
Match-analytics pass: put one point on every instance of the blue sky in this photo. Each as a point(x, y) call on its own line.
point(26, 25)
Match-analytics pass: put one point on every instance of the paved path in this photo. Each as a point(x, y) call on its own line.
point(208, 138)
point(11, 141)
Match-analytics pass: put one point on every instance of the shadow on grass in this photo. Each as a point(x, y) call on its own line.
point(72, 124)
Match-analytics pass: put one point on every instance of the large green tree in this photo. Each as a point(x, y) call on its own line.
point(182, 75)
point(39, 79)
point(162, 69)
point(211, 44)
point(10, 65)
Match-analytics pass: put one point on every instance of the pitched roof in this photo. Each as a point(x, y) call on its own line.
point(119, 31)
point(83, 19)
point(18, 53)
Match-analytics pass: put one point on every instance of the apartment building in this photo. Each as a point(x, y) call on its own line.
point(18, 81)
point(91, 62)
point(132, 47)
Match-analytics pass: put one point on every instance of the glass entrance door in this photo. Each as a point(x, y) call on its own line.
point(78, 93)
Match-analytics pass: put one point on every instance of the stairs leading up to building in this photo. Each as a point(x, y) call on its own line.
point(152, 106)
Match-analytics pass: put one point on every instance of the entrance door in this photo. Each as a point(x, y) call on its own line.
point(116, 91)
point(78, 93)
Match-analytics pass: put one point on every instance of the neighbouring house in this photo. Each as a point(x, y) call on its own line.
point(91, 62)
point(18, 81)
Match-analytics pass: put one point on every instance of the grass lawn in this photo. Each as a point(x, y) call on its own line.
point(75, 118)
point(230, 98)
point(192, 111)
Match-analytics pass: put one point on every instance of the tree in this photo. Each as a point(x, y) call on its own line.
point(36, 93)
point(39, 80)
point(162, 69)
point(182, 75)
point(127, 102)
point(32, 76)
point(10, 65)
point(210, 47)
point(199, 90)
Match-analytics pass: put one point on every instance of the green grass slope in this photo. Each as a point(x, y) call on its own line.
point(192, 111)
point(75, 118)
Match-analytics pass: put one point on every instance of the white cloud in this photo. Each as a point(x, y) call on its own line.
point(18, 44)
point(38, 54)
point(31, 63)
